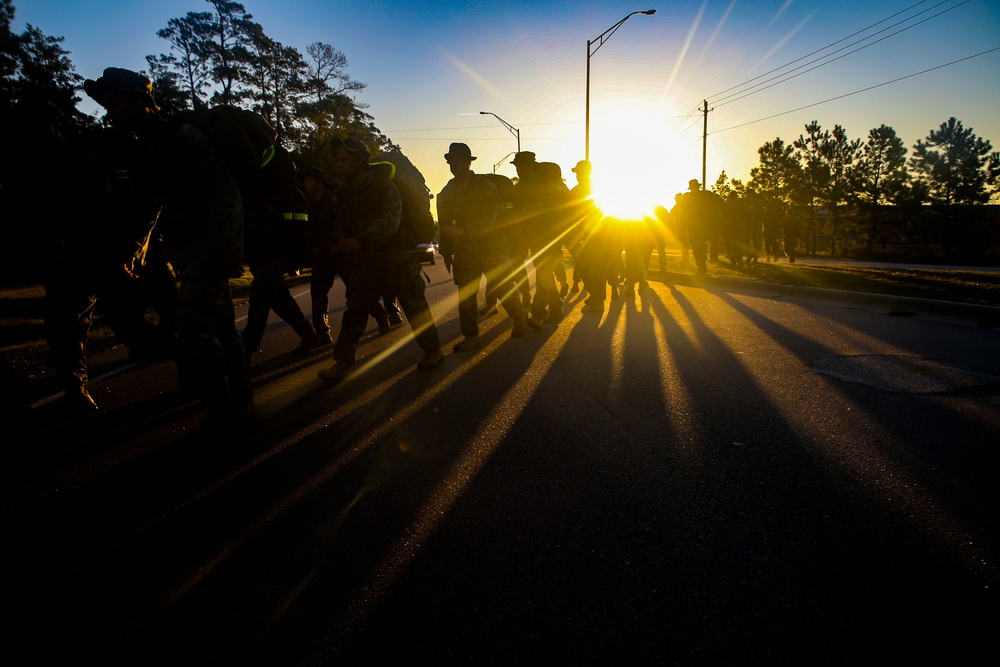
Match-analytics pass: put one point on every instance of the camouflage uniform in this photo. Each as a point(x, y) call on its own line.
point(324, 232)
point(202, 224)
point(371, 213)
point(480, 250)
point(538, 203)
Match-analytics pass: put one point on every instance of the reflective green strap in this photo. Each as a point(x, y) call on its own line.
point(266, 156)
point(120, 174)
point(296, 216)
point(392, 168)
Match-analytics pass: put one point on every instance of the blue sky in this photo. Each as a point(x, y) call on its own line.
point(432, 66)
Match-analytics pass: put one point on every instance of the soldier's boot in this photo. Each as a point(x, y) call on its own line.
point(77, 402)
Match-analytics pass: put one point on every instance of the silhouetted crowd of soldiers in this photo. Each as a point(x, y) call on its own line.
point(155, 217)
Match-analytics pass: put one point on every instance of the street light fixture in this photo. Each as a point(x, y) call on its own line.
point(599, 41)
point(513, 130)
point(502, 160)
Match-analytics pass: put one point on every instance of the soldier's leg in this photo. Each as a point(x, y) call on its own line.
point(69, 311)
point(259, 308)
point(559, 272)
point(500, 283)
point(699, 250)
point(363, 291)
point(231, 343)
point(210, 357)
point(546, 292)
point(408, 282)
point(467, 277)
point(285, 307)
point(323, 276)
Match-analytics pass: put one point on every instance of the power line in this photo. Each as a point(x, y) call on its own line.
point(780, 67)
point(476, 127)
point(476, 139)
point(789, 78)
point(862, 90)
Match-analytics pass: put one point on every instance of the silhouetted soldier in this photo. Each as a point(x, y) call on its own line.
point(539, 202)
point(638, 243)
point(134, 273)
point(325, 264)
point(275, 240)
point(737, 229)
point(552, 172)
point(467, 208)
point(368, 210)
point(593, 250)
point(678, 224)
point(756, 243)
point(771, 215)
point(73, 223)
point(202, 226)
point(702, 210)
point(792, 227)
point(660, 233)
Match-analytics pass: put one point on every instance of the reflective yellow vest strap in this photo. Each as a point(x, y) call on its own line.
point(266, 156)
point(392, 168)
point(304, 217)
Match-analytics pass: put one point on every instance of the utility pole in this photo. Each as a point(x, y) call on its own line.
point(704, 146)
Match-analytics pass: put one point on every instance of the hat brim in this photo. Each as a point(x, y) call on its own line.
point(338, 142)
point(95, 89)
point(99, 88)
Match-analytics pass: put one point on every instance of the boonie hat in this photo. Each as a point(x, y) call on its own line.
point(459, 151)
point(524, 157)
point(352, 144)
point(122, 81)
point(316, 172)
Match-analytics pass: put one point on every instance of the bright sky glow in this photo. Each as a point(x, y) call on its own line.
point(426, 64)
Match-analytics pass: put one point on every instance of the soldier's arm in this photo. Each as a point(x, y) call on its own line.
point(446, 221)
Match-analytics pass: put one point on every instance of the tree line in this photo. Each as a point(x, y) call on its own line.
point(217, 56)
point(873, 196)
point(859, 196)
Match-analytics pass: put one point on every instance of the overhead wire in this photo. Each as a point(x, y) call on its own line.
point(781, 80)
point(862, 90)
point(854, 34)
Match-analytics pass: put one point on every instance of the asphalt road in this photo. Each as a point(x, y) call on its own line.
point(699, 476)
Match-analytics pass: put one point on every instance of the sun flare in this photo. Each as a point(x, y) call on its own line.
point(636, 166)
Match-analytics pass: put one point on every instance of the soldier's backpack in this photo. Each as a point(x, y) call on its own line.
point(506, 219)
point(245, 139)
point(416, 225)
point(265, 172)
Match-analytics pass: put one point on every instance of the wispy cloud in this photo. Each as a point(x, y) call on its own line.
point(782, 41)
point(683, 54)
point(718, 29)
point(788, 3)
point(476, 77)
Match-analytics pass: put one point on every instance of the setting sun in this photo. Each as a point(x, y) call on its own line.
point(635, 157)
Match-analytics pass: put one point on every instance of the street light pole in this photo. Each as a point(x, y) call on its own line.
point(513, 130)
point(502, 160)
point(599, 40)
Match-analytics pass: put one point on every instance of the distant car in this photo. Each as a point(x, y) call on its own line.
point(428, 253)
